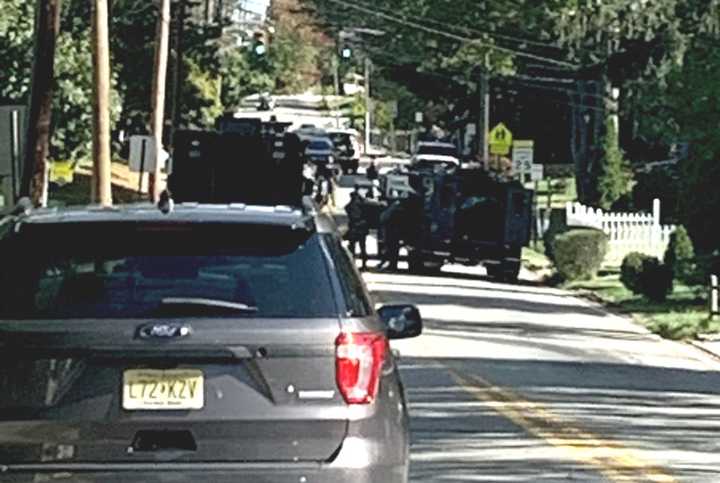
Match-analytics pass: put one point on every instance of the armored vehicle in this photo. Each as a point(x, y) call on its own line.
point(461, 216)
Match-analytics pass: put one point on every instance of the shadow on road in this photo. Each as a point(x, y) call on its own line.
point(485, 302)
point(669, 416)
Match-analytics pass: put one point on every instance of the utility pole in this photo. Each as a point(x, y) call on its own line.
point(368, 104)
point(35, 171)
point(178, 68)
point(336, 84)
point(484, 118)
point(158, 95)
point(101, 184)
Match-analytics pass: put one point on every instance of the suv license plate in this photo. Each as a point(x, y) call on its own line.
point(174, 389)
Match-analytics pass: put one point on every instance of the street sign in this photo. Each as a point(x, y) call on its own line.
point(418, 117)
point(500, 140)
point(62, 172)
point(537, 172)
point(523, 156)
point(142, 154)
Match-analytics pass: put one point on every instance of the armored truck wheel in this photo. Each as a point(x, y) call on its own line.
point(421, 265)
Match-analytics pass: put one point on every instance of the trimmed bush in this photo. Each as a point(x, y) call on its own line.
point(680, 255)
point(631, 271)
point(579, 253)
point(655, 280)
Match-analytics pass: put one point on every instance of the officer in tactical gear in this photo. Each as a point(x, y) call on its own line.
point(358, 227)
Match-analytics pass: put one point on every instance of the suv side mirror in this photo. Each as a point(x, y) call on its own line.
point(402, 321)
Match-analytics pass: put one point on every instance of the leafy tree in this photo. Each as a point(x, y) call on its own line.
point(685, 109)
point(201, 96)
point(240, 79)
point(680, 254)
point(72, 106)
point(614, 176)
point(16, 30)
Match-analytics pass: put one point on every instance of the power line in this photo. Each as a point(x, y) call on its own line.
point(452, 36)
point(550, 88)
point(469, 30)
point(398, 59)
point(510, 80)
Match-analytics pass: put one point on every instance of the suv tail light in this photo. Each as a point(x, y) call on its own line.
point(358, 361)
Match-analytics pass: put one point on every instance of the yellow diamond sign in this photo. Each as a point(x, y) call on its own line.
point(62, 172)
point(500, 140)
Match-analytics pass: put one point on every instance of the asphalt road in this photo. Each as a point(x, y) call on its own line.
point(518, 383)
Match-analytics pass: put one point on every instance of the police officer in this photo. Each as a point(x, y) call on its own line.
point(391, 223)
point(372, 173)
point(358, 227)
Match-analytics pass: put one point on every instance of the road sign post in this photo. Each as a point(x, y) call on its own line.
point(523, 157)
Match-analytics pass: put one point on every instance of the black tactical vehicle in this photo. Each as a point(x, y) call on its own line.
point(461, 216)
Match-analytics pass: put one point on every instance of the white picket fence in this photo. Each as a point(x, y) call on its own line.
point(627, 232)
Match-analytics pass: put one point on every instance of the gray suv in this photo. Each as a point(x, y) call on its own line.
point(204, 343)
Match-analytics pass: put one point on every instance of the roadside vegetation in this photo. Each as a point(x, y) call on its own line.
point(682, 315)
point(668, 296)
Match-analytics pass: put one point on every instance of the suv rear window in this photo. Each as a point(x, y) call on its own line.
point(320, 145)
point(165, 271)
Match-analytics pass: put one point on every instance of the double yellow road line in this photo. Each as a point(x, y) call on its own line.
point(612, 459)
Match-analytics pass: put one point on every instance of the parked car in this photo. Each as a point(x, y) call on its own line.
point(195, 343)
point(320, 150)
point(347, 149)
point(430, 154)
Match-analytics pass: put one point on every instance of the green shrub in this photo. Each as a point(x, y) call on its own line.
point(631, 271)
point(579, 253)
point(557, 225)
point(680, 254)
point(655, 280)
point(700, 269)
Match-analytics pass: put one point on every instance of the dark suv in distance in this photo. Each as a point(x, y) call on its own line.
point(214, 343)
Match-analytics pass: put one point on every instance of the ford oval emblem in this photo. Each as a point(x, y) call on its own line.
point(163, 331)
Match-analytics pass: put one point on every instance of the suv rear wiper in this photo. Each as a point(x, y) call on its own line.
point(210, 303)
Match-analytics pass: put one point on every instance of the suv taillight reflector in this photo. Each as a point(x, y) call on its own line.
point(358, 361)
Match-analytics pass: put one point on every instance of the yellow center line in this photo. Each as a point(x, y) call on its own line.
point(614, 460)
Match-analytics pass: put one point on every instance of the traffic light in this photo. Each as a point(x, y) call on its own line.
point(259, 45)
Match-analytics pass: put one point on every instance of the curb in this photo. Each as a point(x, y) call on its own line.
point(699, 345)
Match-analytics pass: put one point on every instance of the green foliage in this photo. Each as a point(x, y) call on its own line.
point(240, 80)
point(72, 106)
point(201, 94)
point(655, 280)
point(579, 253)
point(631, 271)
point(16, 27)
point(680, 255)
point(684, 109)
point(614, 175)
point(557, 226)
point(662, 184)
point(292, 61)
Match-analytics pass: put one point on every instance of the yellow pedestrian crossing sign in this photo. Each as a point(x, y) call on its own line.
point(500, 140)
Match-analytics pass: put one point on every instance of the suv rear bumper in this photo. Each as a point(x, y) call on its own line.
point(215, 472)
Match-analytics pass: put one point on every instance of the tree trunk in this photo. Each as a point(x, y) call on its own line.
point(35, 171)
